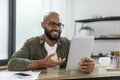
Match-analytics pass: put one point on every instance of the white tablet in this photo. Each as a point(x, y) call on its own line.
point(80, 48)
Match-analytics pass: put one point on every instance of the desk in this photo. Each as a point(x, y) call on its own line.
point(3, 67)
point(99, 73)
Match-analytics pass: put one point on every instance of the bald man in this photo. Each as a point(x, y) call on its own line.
point(48, 50)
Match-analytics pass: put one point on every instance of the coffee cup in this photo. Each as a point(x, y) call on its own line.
point(104, 61)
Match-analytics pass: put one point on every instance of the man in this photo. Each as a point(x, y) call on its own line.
point(48, 50)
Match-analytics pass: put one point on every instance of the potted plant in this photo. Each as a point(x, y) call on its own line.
point(86, 31)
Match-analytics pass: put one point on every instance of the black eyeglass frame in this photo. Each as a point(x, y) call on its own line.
point(54, 24)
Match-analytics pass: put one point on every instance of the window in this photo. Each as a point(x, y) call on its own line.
point(4, 29)
point(7, 30)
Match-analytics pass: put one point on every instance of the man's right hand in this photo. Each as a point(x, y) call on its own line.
point(52, 63)
point(47, 62)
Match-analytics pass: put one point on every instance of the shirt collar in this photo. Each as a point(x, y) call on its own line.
point(42, 41)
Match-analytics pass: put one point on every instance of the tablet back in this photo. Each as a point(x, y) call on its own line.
point(80, 47)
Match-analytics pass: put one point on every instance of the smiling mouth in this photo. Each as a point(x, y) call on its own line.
point(55, 33)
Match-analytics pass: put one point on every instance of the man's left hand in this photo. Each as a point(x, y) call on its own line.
point(86, 65)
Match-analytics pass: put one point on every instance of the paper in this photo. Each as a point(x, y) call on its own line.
point(19, 75)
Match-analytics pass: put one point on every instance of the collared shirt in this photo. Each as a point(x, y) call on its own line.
point(34, 49)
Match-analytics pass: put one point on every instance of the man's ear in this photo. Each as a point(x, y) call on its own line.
point(43, 25)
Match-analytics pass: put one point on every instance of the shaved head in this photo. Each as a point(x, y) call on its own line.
point(50, 14)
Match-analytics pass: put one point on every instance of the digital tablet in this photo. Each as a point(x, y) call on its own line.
point(80, 48)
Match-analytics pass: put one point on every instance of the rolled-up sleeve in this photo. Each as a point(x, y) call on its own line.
point(18, 64)
point(20, 59)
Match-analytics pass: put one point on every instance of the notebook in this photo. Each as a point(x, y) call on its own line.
point(80, 47)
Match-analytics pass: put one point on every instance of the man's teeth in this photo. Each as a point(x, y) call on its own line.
point(55, 33)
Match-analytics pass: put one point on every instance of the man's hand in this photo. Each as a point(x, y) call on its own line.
point(86, 65)
point(44, 63)
point(49, 62)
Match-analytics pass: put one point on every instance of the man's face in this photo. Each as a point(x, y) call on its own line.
point(52, 34)
point(52, 27)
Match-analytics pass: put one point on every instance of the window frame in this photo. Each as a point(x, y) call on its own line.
point(11, 31)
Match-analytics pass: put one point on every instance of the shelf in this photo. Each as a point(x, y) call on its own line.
point(117, 38)
point(112, 18)
point(109, 36)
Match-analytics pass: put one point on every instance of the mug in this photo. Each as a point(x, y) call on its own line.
point(104, 61)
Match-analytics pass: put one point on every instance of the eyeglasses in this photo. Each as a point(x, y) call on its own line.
point(53, 24)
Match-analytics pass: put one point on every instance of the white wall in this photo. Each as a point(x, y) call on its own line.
point(83, 9)
point(90, 8)
point(28, 18)
point(60, 7)
point(29, 15)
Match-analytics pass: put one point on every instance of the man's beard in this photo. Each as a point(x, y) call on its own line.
point(48, 34)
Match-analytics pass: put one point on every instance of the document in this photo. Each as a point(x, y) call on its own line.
point(19, 75)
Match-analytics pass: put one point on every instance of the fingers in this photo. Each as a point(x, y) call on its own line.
point(47, 58)
point(86, 65)
point(60, 61)
point(51, 55)
point(52, 63)
point(87, 59)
